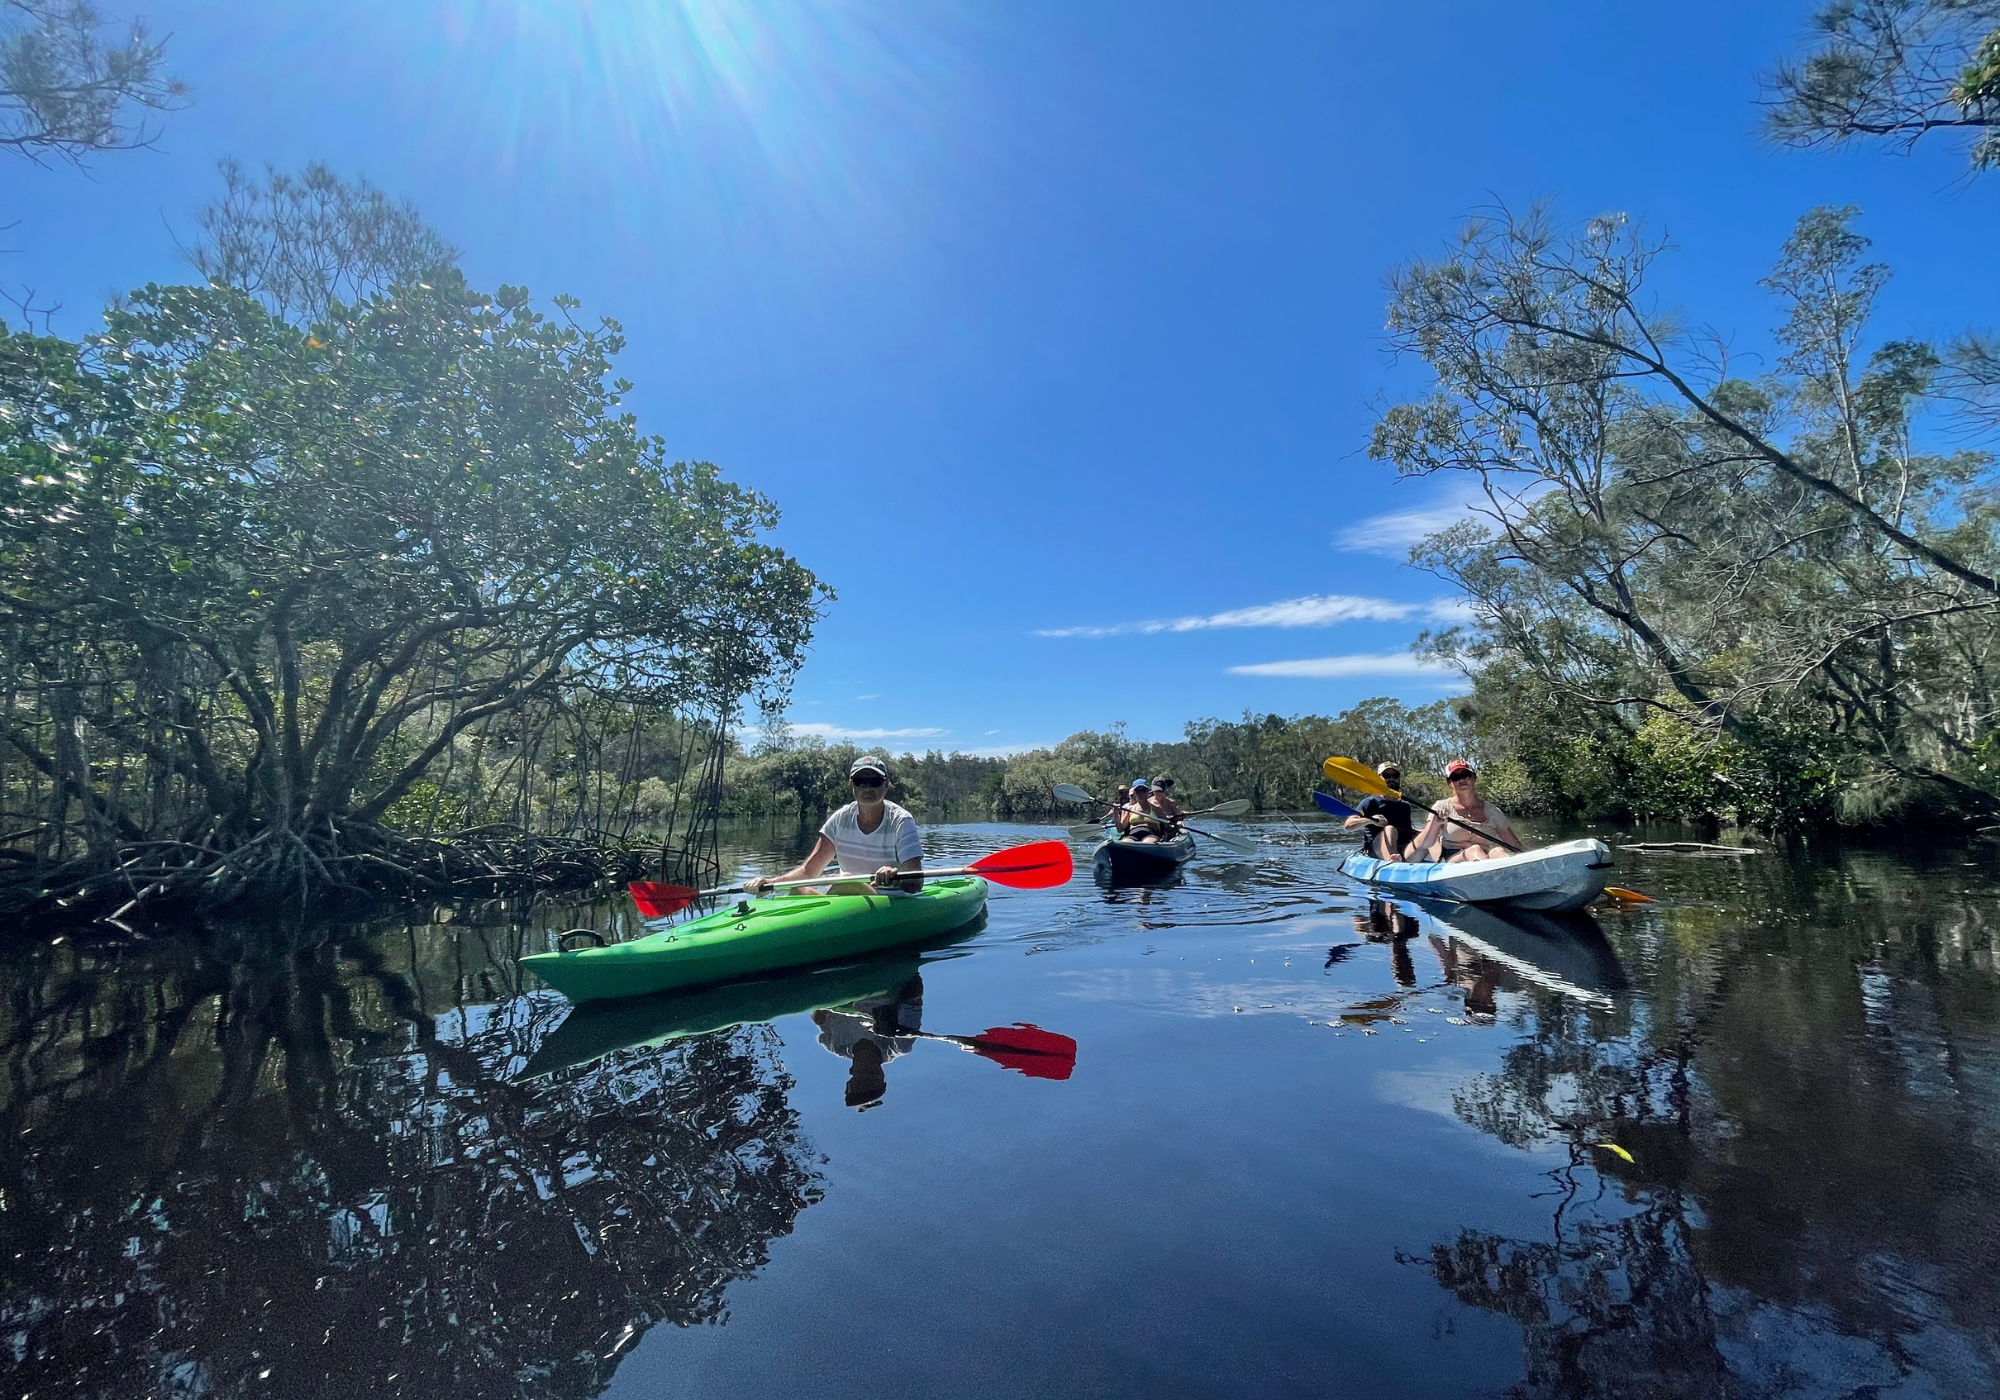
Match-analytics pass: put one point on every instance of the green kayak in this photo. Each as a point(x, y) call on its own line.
point(760, 935)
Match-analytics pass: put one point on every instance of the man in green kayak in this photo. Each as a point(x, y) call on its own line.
point(876, 841)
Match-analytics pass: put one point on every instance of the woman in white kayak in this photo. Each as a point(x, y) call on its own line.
point(876, 841)
point(1447, 841)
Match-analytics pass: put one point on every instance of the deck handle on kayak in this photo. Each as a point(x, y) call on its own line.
point(597, 940)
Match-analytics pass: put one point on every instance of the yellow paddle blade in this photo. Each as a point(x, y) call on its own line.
point(1358, 776)
point(1615, 1149)
point(1629, 896)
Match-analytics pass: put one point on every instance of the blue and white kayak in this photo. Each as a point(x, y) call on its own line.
point(1566, 876)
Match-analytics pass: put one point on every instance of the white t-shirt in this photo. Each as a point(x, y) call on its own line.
point(862, 853)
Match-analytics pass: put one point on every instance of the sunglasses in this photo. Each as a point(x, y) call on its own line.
point(867, 780)
point(1463, 777)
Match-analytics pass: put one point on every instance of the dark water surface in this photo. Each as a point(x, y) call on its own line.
point(1290, 1160)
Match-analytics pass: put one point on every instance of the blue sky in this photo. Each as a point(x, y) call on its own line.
point(1054, 329)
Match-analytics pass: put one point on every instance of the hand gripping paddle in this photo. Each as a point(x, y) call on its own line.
point(1039, 865)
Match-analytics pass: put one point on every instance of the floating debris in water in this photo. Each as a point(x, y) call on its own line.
point(1456, 1021)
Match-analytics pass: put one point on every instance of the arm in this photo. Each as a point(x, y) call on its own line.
point(817, 859)
point(909, 847)
point(1433, 832)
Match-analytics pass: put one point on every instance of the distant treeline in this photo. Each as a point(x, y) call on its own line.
point(1270, 759)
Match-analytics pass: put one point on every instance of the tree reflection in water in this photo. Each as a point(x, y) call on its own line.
point(304, 1171)
point(1813, 1113)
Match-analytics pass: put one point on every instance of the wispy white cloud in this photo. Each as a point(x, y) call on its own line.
point(1391, 663)
point(1393, 532)
point(817, 730)
point(1314, 610)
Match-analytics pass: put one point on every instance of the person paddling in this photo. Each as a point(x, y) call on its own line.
point(1163, 804)
point(1445, 840)
point(877, 842)
point(1135, 819)
point(1388, 828)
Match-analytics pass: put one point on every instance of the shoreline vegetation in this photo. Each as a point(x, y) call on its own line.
point(358, 582)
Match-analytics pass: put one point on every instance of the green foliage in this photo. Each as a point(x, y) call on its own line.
point(66, 92)
point(1899, 69)
point(264, 581)
point(426, 808)
point(302, 243)
point(1694, 597)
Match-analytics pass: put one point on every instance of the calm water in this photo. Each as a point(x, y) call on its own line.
point(1294, 1157)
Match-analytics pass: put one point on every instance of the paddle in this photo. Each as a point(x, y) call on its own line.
point(1365, 779)
point(1234, 807)
point(1028, 1049)
point(1070, 792)
point(1334, 807)
point(1039, 865)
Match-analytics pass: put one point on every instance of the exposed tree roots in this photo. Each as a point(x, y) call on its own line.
point(156, 880)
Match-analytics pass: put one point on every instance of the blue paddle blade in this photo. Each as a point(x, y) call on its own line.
point(1333, 806)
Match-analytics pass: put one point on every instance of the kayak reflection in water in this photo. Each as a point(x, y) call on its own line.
point(1385, 923)
point(871, 1032)
point(1466, 967)
point(877, 842)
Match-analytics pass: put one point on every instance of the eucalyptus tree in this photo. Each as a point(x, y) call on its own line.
point(300, 243)
point(262, 579)
point(1655, 533)
point(68, 91)
point(1897, 70)
point(1900, 70)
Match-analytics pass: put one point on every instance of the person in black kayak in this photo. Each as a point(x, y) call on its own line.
point(1385, 819)
point(1135, 819)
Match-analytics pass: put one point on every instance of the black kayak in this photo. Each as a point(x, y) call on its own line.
point(1143, 860)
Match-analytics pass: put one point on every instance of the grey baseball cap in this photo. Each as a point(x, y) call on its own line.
point(868, 763)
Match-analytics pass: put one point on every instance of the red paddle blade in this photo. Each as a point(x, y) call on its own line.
point(1039, 865)
point(656, 901)
point(1032, 1051)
